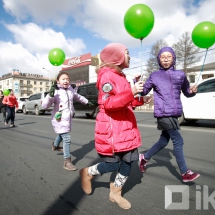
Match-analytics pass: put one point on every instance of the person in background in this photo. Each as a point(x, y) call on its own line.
point(117, 137)
point(11, 102)
point(62, 95)
point(167, 84)
point(2, 106)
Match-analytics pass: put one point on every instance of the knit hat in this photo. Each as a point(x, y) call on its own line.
point(166, 49)
point(113, 53)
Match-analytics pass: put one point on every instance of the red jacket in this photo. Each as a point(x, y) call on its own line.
point(116, 127)
point(10, 101)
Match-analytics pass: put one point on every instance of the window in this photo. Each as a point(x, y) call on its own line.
point(35, 89)
point(21, 82)
point(35, 82)
point(41, 83)
point(28, 82)
point(82, 91)
point(91, 90)
point(192, 78)
point(38, 96)
point(41, 89)
point(31, 98)
point(206, 87)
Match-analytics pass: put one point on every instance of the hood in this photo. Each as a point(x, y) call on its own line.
point(166, 49)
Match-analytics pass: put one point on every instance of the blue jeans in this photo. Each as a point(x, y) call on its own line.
point(123, 167)
point(66, 143)
point(177, 147)
point(10, 115)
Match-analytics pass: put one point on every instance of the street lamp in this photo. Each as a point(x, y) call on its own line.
point(49, 75)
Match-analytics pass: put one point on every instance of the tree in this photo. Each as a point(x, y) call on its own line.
point(152, 64)
point(186, 52)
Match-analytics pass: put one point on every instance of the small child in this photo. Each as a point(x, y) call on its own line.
point(11, 102)
point(117, 137)
point(167, 84)
point(62, 96)
point(2, 106)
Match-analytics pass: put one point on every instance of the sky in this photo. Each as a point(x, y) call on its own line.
point(30, 29)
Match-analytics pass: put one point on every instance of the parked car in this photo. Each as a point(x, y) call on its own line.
point(90, 92)
point(20, 101)
point(34, 104)
point(202, 105)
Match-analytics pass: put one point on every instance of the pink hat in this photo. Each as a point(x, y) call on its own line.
point(113, 53)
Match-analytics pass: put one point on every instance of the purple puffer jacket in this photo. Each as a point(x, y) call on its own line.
point(167, 86)
point(63, 101)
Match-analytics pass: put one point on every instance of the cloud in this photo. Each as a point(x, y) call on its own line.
point(35, 33)
point(32, 45)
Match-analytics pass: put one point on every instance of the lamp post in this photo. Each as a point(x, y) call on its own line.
point(49, 75)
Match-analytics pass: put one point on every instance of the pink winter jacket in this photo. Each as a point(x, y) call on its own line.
point(63, 101)
point(116, 127)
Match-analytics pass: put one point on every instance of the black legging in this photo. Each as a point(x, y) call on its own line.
point(10, 115)
point(122, 167)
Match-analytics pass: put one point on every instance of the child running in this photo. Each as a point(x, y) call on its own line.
point(11, 102)
point(2, 106)
point(167, 84)
point(62, 96)
point(116, 134)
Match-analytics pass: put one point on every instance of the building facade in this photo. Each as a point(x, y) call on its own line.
point(194, 74)
point(81, 69)
point(24, 84)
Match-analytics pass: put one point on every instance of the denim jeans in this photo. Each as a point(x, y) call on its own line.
point(66, 143)
point(177, 147)
point(123, 167)
point(10, 115)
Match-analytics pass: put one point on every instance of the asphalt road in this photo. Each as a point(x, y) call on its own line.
point(34, 182)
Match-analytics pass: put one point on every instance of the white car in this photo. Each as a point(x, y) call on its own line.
point(202, 105)
point(20, 101)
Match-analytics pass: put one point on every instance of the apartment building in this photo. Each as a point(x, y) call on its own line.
point(24, 84)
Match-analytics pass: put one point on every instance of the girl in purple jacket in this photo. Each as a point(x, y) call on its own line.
point(167, 84)
point(62, 96)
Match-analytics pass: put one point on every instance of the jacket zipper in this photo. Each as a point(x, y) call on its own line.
point(172, 92)
point(112, 135)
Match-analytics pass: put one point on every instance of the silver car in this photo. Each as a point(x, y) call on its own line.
point(34, 104)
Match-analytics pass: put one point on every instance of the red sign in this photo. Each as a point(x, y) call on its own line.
point(75, 62)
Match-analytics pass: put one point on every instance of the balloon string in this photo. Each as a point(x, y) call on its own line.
point(202, 66)
point(141, 71)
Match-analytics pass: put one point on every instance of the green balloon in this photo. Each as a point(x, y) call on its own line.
point(6, 92)
point(203, 34)
point(139, 21)
point(56, 57)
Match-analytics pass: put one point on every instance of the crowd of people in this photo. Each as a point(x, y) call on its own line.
point(117, 137)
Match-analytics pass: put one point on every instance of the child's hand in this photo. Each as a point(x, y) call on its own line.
point(137, 88)
point(147, 99)
point(193, 89)
point(52, 89)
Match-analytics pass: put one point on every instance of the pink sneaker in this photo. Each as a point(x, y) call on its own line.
point(142, 163)
point(189, 176)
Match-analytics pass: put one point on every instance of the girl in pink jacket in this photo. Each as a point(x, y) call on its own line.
point(116, 134)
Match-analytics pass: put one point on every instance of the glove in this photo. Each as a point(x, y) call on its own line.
point(52, 89)
point(90, 104)
point(58, 115)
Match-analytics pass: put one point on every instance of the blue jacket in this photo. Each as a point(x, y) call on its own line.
point(167, 86)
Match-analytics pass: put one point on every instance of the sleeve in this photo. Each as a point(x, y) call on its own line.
point(147, 86)
point(111, 99)
point(79, 98)
point(138, 101)
point(186, 88)
point(5, 100)
point(16, 104)
point(47, 101)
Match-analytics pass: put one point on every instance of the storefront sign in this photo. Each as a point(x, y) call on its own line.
point(16, 87)
point(79, 61)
